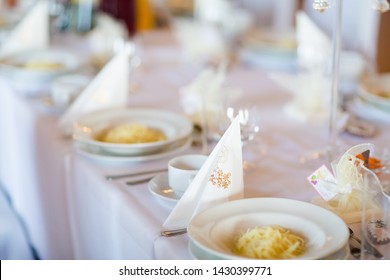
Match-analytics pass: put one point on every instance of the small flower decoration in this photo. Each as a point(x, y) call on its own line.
point(221, 179)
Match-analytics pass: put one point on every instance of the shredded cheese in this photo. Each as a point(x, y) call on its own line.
point(44, 65)
point(269, 242)
point(131, 134)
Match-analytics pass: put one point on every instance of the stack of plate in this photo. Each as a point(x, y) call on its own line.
point(176, 127)
point(213, 232)
point(373, 98)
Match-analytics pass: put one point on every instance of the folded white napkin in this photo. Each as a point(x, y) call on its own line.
point(31, 33)
point(203, 98)
point(209, 44)
point(219, 12)
point(314, 45)
point(311, 96)
point(214, 29)
point(310, 87)
point(109, 89)
point(219, 180)
point(102, 40)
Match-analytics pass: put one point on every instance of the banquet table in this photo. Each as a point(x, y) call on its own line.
point(72, 212)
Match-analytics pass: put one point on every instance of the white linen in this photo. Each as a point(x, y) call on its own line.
point(32, 172)
point(31, 33)
point(14, 240)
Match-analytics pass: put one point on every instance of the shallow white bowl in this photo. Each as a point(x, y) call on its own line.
point(215, 229)
point(370, 87)
point(175, 126)
point(13, 68)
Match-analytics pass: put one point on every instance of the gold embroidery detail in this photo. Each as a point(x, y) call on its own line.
point(220, 179)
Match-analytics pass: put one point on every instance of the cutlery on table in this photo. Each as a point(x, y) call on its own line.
point(174, 232)
point(120, 176)
point(141, 181)
point(356, 250)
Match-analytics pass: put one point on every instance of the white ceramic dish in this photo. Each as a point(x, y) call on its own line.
point(159, 186)
point(198, 254)
point(376, 91)
point(269, 49)
point(175, 126)
point(215, 229)
point(14, 67)
point(368, 111)
point(96, 154)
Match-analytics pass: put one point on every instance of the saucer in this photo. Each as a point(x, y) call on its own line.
point(49, 105)
point(159, 186)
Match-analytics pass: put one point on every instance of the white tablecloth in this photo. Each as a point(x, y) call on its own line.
point(72, 212)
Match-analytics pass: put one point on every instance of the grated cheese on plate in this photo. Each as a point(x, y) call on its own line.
point(269, 242)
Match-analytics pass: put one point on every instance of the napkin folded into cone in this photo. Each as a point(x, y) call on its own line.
point(203, 98)
point(352, 188)
point(311, 96)
point(219, 180)
point(31, 33)
point(310, 87)
point(209, 45)
point(109, 89)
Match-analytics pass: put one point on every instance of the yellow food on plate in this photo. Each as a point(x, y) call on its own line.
point(269, 242)
point(43, 65)
point(131, 133)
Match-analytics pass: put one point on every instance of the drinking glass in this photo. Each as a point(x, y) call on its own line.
point(250, 124)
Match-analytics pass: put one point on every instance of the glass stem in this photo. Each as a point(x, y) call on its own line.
point(334, 99)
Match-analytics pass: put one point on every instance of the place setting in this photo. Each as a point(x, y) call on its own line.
point(216, 221)
point(131, 134)
point(104, 128)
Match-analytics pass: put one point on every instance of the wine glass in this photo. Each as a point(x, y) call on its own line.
point(250, 124)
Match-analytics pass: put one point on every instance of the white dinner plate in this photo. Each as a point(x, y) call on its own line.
point(176, 127)
point(215, 229)
point(198, 254)
point(35, 79)
point(95, 153)
point(159, 186)
point(269, 49)
point(375, 90)
point(368, 111)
